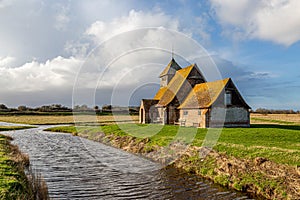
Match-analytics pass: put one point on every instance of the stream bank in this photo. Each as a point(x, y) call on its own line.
point(259, 177)
point(15, 183)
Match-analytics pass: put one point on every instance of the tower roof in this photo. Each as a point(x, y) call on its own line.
point(171, 68)
point(166, 94)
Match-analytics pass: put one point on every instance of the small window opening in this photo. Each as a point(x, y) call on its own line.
point(228, 98)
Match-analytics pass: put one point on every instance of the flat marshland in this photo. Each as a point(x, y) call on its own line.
point(274, 136)
point(263, 159)
point(65, 119)
point(275, 118)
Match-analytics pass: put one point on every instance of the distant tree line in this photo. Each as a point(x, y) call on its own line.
point(55, 108)
point(3, 107)
point(44, 108)
point(120, 109)
point(275, 111)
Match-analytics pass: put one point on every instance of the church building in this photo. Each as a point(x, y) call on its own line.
point(185, 98)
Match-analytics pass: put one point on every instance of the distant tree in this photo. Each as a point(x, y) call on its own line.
point(76, 107)
point(107, 107)
point(3, 107)
point(96, 109)
point(22, 108)
point(82, 108)
point(44, 109)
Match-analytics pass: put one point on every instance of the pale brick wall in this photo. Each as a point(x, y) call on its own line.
point(193, 117)
point(160, 117)
point(229, 117)
point(218, 117)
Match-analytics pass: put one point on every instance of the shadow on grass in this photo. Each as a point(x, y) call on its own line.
point(289, 127)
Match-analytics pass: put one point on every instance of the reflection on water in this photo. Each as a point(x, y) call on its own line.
point(76, 168)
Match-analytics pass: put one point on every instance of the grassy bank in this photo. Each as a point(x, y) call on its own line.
point(263, 159)
point(277, 143)
point(14, 184)
point(10, 128)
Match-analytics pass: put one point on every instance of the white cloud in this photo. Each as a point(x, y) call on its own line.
point(145, 53)
point(125, 43)
point(7, 61)
point(34, 76)
point(133, 55)
point(273, 20)
point(136, 19)
point(61, 18)
point(6, 3)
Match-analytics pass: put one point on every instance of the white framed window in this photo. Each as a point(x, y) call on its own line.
point(228, 98)
point(185, 113)
point(199, 112)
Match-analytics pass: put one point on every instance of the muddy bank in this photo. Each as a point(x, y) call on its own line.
point(259, 177)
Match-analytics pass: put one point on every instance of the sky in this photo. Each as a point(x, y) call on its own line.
point(103, 52)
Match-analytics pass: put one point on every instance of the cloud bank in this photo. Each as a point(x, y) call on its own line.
point(272, 20)
point(45, 44)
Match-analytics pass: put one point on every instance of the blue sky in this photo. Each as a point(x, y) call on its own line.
point(44, 43)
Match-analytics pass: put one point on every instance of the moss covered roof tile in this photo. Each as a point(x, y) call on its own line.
point(169, 92)
point(205, 94)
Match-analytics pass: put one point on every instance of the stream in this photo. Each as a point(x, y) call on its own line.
point(77, 168)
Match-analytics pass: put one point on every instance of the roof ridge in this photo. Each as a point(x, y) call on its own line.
point(171, 65)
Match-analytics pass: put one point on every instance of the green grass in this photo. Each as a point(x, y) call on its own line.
point(279, 143)
point(10, 128)
point(13, 182)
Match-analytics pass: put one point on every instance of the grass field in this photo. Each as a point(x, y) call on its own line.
point(272, 137)
point(279, 143)
point(275, 118)
point(284, 119)
point(55, 119)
